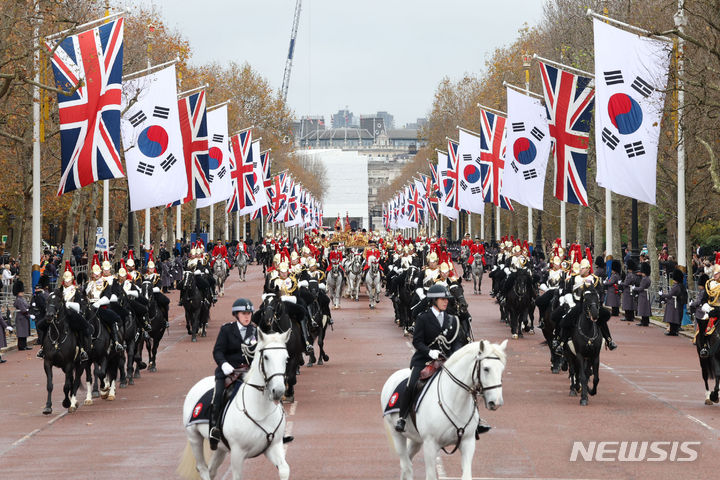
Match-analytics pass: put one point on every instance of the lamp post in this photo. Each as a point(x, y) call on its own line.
point(680, 23)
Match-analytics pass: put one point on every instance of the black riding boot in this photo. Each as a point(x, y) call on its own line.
point(605, 330)
point(180, 302)
point(41, 337)
point(116, 338)
point(214, 428)
point(306, 335)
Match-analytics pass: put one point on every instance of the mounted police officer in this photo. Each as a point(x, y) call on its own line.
point(234, 348)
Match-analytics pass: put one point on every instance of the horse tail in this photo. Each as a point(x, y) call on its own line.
point(188, 466)
point(389, 436)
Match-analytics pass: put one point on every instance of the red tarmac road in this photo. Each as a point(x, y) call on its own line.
point(650, 390)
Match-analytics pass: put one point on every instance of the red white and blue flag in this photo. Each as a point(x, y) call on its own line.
point(492, 158)
point(267, 183)
point(569, 101)
point(278, 199)
point(415, 205)
point(90, 117)
point(243, 176)
point(193, 126)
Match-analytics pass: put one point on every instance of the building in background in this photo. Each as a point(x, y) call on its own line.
point(343, 119)
point(373, 124)
point(417, 124)
point(307, 124)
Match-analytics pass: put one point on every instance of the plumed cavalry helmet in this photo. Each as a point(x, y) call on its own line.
point(242, 305)
point(438, 291)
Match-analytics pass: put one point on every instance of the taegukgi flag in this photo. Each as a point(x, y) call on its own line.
point(218, 158)
point(630, 75)
point(470, 193)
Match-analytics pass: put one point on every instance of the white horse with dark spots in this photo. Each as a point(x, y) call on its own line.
point(255, 420)
point(448, 414)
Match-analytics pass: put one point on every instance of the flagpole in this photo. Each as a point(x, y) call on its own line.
point(492, 110)
point(211, 235)
point(469, 217)
point(36, 233)
point(680, 22)
point(237, 224)
point(497, 223)
point(227, 227)
point(526, 66)
point(563, 220)
point(187, 93)
point(78, 28)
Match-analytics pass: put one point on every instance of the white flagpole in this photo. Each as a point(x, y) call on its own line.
point(211, 235)
point(237, 224)
point(243, 228)
point(106, 211)
point(178, 222)
point(482, 225)
point(227, 226)
point(497, 223)
point(608, 223)
point(457, 227)
point(147, 228)
point(36, 233)
point(563, 220)
point(470, 224)
point(680, 22)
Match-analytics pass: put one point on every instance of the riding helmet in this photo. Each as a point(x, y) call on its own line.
point(242, 305)
point(438, 291)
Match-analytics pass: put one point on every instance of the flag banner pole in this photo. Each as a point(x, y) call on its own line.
point(211, 233)
point(147, 71)
point(523, 91)
point(492, 110)
point(214, 107)
point(638, 30)
point(563, 221)
point(467, 130)
point(78, 28)
point(242, 131)
point(190, 92)
point(563, 66)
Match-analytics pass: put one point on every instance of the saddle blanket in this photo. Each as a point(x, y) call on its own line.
point(393, 405)
point(201, 411)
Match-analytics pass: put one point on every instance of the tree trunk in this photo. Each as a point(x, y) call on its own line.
point(81, 223)
point(617, 247)
point(93, 215)
point(159, 227)
point(69, 223)
point(580, 225)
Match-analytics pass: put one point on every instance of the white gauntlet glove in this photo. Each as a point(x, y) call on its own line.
point(156, 289)
point(10, 329)
point(113, 298)
point(73, 306)
point(434, 354)
point(706, 308)
point(227, 368)
point(132, 293)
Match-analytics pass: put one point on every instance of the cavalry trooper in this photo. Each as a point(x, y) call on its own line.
point(571, 299)
point(555, 279)
point(427, 277)
point(334, 257)
point(295, 264)
point(286, 284)
point(153, 277)
point(74, 303)
point(130, 267)
point(220, 250)
point(313, 272)
point(436, 335)
point(137, 303)
point(116, 292)
point(516, 262)
point(234, 348)
point(98, 296)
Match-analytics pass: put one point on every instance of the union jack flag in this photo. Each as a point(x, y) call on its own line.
point(449, 186)
point(569, 102)
point(292, 202)
point(492, 158)
point(90, 117)
point(267, 184)
point(193, 127)
point(430, 195)
point(242, 176)
point(414, 205)
point(279, 196)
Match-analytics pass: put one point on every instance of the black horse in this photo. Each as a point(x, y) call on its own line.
point(100, 342)
point(404, 301)
point(157, 327)
point(196, 309)
point(708, 349)
point(131, 337)
point(583, 350)
point(519, 301)
point(317, 326)
point(272, 317)
point(548, 328)
point(62, 351)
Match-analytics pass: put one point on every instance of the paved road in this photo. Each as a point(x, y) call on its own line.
point(650, 390)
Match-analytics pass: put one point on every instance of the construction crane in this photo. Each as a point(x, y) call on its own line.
point(291, 50)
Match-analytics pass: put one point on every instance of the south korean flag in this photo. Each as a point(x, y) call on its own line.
point(219, 155)
point(528, 148)
point(630, 76)
point(152, 141)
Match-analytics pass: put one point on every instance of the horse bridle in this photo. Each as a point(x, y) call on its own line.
point(266, 379)
point(475, 390)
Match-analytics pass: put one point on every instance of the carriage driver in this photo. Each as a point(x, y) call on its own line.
point(234, 348)
point(435, 336)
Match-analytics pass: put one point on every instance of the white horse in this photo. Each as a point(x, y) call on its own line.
point(477, 273)
point(373, 281)
point(241, 262)
point(354, 277)
point(334, 283)
point(220, 272)
point(448, 414)
point(255, 420)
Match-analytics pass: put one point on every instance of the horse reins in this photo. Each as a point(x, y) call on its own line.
point(473, 391)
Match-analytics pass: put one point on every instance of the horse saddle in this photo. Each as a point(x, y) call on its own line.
point(235, 375)
point(201, 411)
point(430, 370)
point(418, 392)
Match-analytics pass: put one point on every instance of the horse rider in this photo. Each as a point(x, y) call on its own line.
point(196, 266)
point(221, 250)
point(161, 299)
point(130, 267)
point(117, 294)
point(427, 277)
point(136, 302)
point(313, 272)
point(554, 280)
point(571, 300)
point(517, 262)
point(234, 348)
point(436, 336)
point(98, 294)
point(74, 303)
point(287, 284)
point(335, 257)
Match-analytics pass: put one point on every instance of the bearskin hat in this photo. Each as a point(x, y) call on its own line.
point(616, 266)
point(645, 268)
point(703, 279)
point(631, 265)
point(678, 275)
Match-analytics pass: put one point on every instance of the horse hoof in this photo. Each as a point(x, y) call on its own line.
point(203, 334)
point(555, 370)
point(66, 403)
point(194, 339)
point(583, 402)
point(47, 411)
point(325, 357)
point(104, 395)
point(289, 399)
point(136, 375)
point(320, 362)
point(152, 369)
point(95, 394)
point(110, 398)
point(123, 385)
point(514, 336)
point(131, 381)
point(372, 307)
point(708, 401)
point(88, 402)
point(531, 331)
point(309, 364)
point(714, 396)
point(573, 393)
point(72, 409)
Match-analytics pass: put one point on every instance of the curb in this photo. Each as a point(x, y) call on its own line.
point(13, 347)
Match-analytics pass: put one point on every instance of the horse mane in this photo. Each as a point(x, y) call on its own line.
point(473, 349)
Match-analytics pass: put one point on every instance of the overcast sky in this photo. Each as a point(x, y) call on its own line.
point(368, 55)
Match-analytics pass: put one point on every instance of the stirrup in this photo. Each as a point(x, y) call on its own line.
point(119, 347)
point(400, 425)
point(41, 354)
point(83, 355)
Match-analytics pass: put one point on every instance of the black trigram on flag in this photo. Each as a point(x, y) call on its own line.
point(210, 178)
point(467, 157)
point(530, 174)
point(218, 138)
point(145, 168)
point(613, 77)
point(221, 173)
point(642, 87)
point(535, 132)
point(463, 185)
point(477, 160)
point(518, 126)
point(138, 118)
point(514, 167)
point(168, 162)
point(634, 149)
point(161, 112)
point(476, 190)
point(609, 139)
